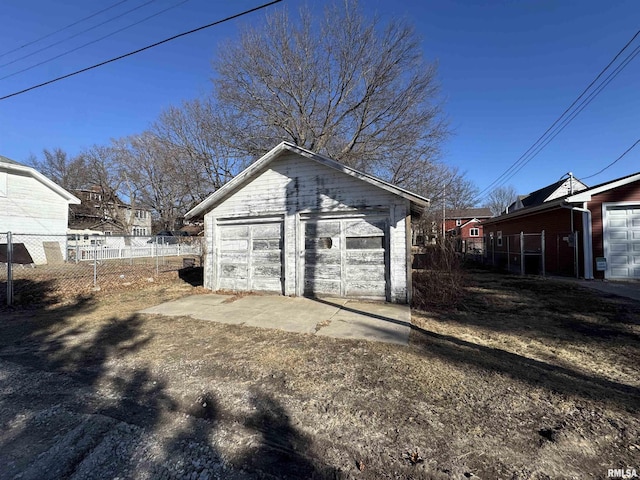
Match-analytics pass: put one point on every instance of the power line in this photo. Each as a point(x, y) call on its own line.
point(111, 60)
point(61, 29)
point(614, 162)
point(93, 41)
point(523, 160)
point(577, 111)
point(70, 37)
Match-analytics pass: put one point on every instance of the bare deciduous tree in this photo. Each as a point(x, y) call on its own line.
point(114, 181)
point(68, 172)
point(160, 182)
point(347, 86)
point(500, 198)
point(192, 137)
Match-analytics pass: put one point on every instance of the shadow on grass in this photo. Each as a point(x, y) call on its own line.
point(544, 309)
point(61, 365)
point(534, 372)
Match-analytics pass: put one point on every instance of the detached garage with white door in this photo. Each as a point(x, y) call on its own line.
point(298, 223)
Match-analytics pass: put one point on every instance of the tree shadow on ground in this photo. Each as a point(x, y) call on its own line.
point(534, 372)
point(543, 309)
point(72, 413)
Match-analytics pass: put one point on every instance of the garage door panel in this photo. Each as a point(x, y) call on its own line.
point(323, 272)
point(322, 228)
point(241, 231)
point(618, 222)
point(619, 271)
point(618, 259)
point(267, 244)
point(235, 245)
point(265, 284)
point(236, 283)
point(365, 257)
point(619, 235)
point(322, 257)
point(266, 231)
point(266, 271)
point(238, 270)
point(618, 247)
point(266, 256)
point(365, 273)
point(366, 289)
point(323, 287)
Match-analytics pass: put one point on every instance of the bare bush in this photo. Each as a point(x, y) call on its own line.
point(439, 280)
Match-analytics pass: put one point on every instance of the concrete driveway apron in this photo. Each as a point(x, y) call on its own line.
point(333, 317)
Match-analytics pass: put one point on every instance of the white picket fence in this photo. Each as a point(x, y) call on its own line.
point(152, 250)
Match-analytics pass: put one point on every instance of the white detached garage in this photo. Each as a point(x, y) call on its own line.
point(298, 223)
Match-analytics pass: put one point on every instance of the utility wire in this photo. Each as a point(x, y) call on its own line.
point(577, 111)
point(93, 41)
point(61, 29)
point(522, 160)
point(614, 162)
point(111, 60)
point(70, 37)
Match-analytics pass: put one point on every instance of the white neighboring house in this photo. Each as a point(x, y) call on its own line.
point(35, 209)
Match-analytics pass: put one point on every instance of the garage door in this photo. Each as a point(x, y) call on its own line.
point(345, 257)
point(250, 257)
point(622, 241)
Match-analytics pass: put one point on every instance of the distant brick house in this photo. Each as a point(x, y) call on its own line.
point(591, 232)
point(465, 226)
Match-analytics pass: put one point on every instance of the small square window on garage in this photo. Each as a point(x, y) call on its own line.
point(365, 243)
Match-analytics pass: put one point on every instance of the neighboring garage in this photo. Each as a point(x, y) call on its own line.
point(299, 223)
point(605, 217)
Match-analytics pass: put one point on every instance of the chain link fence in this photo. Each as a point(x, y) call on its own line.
point(522, 253)
point(38, 268)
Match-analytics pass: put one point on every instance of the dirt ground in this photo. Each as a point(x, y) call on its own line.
point(525, 379)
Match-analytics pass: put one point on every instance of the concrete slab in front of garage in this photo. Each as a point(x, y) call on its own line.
point(333, 317)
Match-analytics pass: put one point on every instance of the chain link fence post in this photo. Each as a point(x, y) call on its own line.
point(9, 270)
point(543, 252)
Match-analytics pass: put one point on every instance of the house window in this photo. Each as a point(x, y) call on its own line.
point(458, 222)
point(474, 232)
point(3, 184)
point(499, 238)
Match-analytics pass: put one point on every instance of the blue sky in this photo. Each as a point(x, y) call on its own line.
point(508, 69)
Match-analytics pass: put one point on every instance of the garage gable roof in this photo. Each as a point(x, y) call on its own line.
point(418, 203)
point(13, 166)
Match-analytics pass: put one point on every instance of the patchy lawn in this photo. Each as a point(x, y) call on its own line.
point(526, 379)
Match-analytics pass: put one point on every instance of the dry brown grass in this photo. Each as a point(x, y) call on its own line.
point(525, 379)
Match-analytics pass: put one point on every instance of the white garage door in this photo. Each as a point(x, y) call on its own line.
point(622, 241)
point(345, 257)
point(250, 257)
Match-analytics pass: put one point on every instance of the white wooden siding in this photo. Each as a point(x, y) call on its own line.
point(31, 207)
point(293, 185)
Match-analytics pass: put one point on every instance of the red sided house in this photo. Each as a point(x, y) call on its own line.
point(604, 219)
point(465, 225)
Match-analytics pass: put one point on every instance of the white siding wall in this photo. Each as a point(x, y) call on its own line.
point(292, 184)
point(31, 207)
